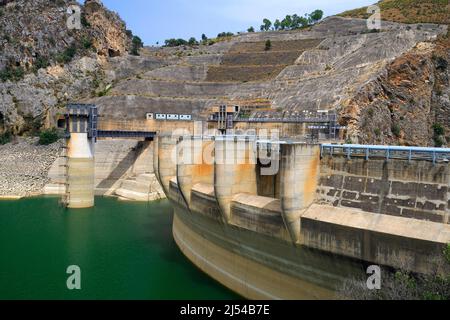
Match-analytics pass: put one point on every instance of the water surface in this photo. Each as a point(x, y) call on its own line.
point(125, 251)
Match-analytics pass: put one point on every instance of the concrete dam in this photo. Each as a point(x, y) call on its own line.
point(281, 219)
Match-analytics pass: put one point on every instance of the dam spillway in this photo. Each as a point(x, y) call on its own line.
point(248, 211)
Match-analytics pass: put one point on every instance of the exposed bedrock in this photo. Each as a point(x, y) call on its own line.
point(403, 103)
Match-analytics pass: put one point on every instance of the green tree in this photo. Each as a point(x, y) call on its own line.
point(40, 62)
point(175, 42)
point(136, 44)
point(251, 29)
point(295, 21)
point(287, 22)
point(316, 16)
point(268, 45)
point(12, 73)
point(277, 24)
point(266, 25)
point(225, 34)
point(192, 41)
point(403, 284)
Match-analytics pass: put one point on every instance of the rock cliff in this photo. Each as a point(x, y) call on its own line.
point(388, 87)
point(44, 63)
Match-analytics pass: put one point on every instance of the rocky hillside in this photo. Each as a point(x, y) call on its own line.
point(44, 63)
point(338, 64)
point(408, 102)
point(408, 11)
point(390, 86)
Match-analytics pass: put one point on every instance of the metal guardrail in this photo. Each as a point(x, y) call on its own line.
point(125, 134)
point(290, 120)
point(327, 119)
point(387, 152)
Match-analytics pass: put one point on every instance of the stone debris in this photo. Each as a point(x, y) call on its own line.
point(24, 166)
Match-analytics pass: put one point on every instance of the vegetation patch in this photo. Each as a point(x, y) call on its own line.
point(402, 284)
point(439, 132)
point(5, 138)
point(49, 136)
point(407, 11)
point(396, 130)
point(292, 22)
point(136, 44)
point(12, 73)
point(67, 55)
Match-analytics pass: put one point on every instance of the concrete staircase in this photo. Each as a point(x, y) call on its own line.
point(144, 187)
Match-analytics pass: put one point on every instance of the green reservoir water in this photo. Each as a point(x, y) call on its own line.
point(125, 251)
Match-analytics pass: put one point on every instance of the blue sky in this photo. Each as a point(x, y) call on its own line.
point(157, 20)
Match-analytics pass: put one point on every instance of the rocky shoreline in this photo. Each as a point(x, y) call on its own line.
point(24, 167)
point(28, 169)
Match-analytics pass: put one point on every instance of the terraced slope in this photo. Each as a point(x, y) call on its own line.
point(325, 67)
point(250, 61)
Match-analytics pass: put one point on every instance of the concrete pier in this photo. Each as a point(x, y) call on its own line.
point(299, 173)
point(195, 164)
point(80, 172)
point(235, 171)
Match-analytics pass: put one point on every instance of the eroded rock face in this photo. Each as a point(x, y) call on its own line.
point(44, 64)
point(405, 101)
point(41, 96)
point(108, 30)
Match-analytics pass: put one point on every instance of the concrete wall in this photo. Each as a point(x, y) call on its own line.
point(114, 162)
point(379, 239)
point(117, 160)
point(416, 189)
point(80, 172)
point(298, 208)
